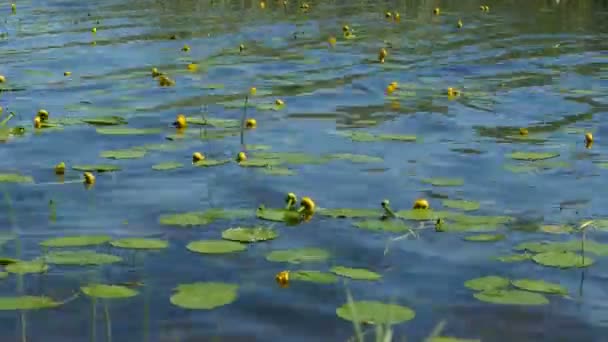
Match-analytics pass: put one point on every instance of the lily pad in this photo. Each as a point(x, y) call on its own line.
point(211, 162)
point(539, 286)
point(15, 178)
point(27, 303)
point(444, 181)
point(215, 246)
point(314, 277)
point(514, 257)
point(76, 241)
point(250, 234)
point(140, 243)
point(591, 246)
point(387, 225)
point(423, 214)
point(485, 237)
point(511, 297)
point(289, 157)
point(278, 215)
point(123, 154)
point(127, 131)
point(108, 291)
point(533, 156)
point(556, 229)
point(359, 136)
point(278, 171)
point(396, 137)
point(257, 162)
point(355, 158)
point(460, 204)
point(167, 166)
point(97, 168)
point(355, 273)
point(350, 213)
point(298, 255)
point(220, 123)
point(562, 259)
point(3, 275)
point(451, 339)
point(80, 258)
point(204, 296)
point(105, 121)
point(201, 218)
point(24, 267)
point(373, 312)
point(487, 283)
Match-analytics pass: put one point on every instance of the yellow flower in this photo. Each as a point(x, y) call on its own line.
point(282, 278)
point(397, 16)
point(43, 115)
point(89, 178)
point(241, 47)
point(165, 81)
point(291, 200)
point(251, 123)
point(2, 79)
point(390, 89)
point(197, 156)
point(253, 91)
point(192, 67)
point(523, 131)
point(241, 157)
point(459, 24)
point(60, 168)
point(394, 84)
point(155, 72)
point(279, 102)
point(382, 55)
point(452, 92)
point(94, 30)
point(67, 73)
point(436, 11)
point(588, 140)
point(180, 121)
point(421, 203)
point(332, 41)
point(388, 15)
point(262, 4)
point(307, 206)
point(186, 48)
point(484, 8)
point(37, 122)
point(13, 8)
point(305, 6)
point(345, 28)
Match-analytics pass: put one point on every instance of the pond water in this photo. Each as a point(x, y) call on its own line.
point(538, 65)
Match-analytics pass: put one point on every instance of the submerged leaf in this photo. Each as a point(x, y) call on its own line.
point(76, 241)
point(108, 291)
point(373, 312)
point(355, 273)
point(204, 296)
point(298, 255)
point(487, 283)
point(511, 297)
point(215, 246)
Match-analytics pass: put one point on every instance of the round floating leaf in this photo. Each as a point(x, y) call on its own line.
point(27, 303)
point(566, 246)
point(485, 238)
point(298, 255)
point(220, 123)
point(387, 225)
point(186, 219)
point(373, 312)
point(533, 156)
point(249, 234)
point(278, 171)
point(108, 291)
point(15, 178)
point(351, 213)
point(423, 214)
point(556, 229)
point(460, 204)
point(105, 121)
point(515, 257)
point(140, 243)
point(396, 137)
point(443, 181)
point(355, 158)
point(539, 286)
point(511, 297)
point(211, 162)
point(259, 163)
point(97, 168)
point(24, 267)
point(215, 246)
point(289, 158)
point(204, 296)
point(76, 241)
point(355, 273)
point(314, 277)
point(278, 215)
point(167, 166)
point(7, 261)
point(127, 131)
point(487, 283)
point(562, 259)
point(81, 258)
point(3, 275)
point(123, 154)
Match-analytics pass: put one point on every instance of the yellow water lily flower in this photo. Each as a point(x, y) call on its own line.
point(192, 67)
point(262, 4)
point(421, 203)
point(332, 41)
point(307, 206)
point(197, 156)
point(345, 28)
point(156, 73)
point(251, 123)
point(253, 91)
point(484, 8)
point(241, 157)
point(37, 122)
point(279, 102)
point(2, 79)
point(588, 140)
point(67, 73)
point(523, 131)
point(305, 6)
point(60, 168)
point(390, 89)
point(459, 23)
point(186, 48)
point(43, 115)
point(394, 84)
point(396, 16)
point(282, 278)
point(14, 8)
point(436, 11)
point(291, 201)
point(89, 178)
point(382, 55)
point(180, 121)
point(388, 15)
point(452, 92)
point(165, 81)
point(241, 47)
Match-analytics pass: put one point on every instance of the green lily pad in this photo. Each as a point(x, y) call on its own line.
point(15, 178)
point(211, 162)
point(127, 131)
point(105, 121)
point(460, 204)
point(204, 296)
point(250, 234)
point(215, 246)
point(396, 137)
point(511, 297)
point(167, 166)
point(451, 339)
point(298, 255)
point(314, 277)
point(355, 158)
point(373, 312)
point(485, 237)
point(7, 261)
point(80, 258)
point(76, 241)
point(289, 157)
point(3, 275)
point(351, 213)
point(257, 162)
point(533, 156)
point(359, 136)
point(539, 286)
point(515, 257)
point(355, 273)
point(444, 181)
point(97, 168)
point(562, 260)
point(27, 303)
point(263, 107)
point(556, 229)
point(24, 267)
point(591, 246)
point(487, 283)
point(278, 171)
point(201, 218)
point(108, 291)
point(220, 123)
point(423, 214)
point(140, 243)
point(387, 225)
point(123, 154)
point(278, 215)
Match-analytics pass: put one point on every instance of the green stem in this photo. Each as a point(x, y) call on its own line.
point(94, 319)
point(106, 312)
point(7, 119)
point(243, 121)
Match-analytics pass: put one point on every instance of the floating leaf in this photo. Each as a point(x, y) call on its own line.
point(7, 261)
point(24, 267)
point(373, 312)
point(511, 297)
point(211, 162)
point(515, 257)
point(249, 234)
point(314, 277)
point(423, 214)
point(127, 131)
point(396, 137)
point(278, 171)
point(220, 123)
point(556, 229)
point(487, 283)
point(15, 178)
point(298, 255)
point(355, 158)
point(278, 215)
point(96, 168)
point(355, 273)
point(105, 121)
point(167, 166)
point(27, 303)
point(201, 218)
point(290, 157)
point(359, 136)
point(215, 246)
point(533, 156)
point(566, 246)
point(351, 213)
point(205, 296)
point(140, 243)
point(485, 238)
point(460, 204)
point(123, 154)
point(539, 286)
point(451, 339)
point(444, 181)
point(3, 275)
point(76, 241)
point(108, 291)
point(562, 259)
point(81, 258)
point(259, 163)
point(387, 225)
